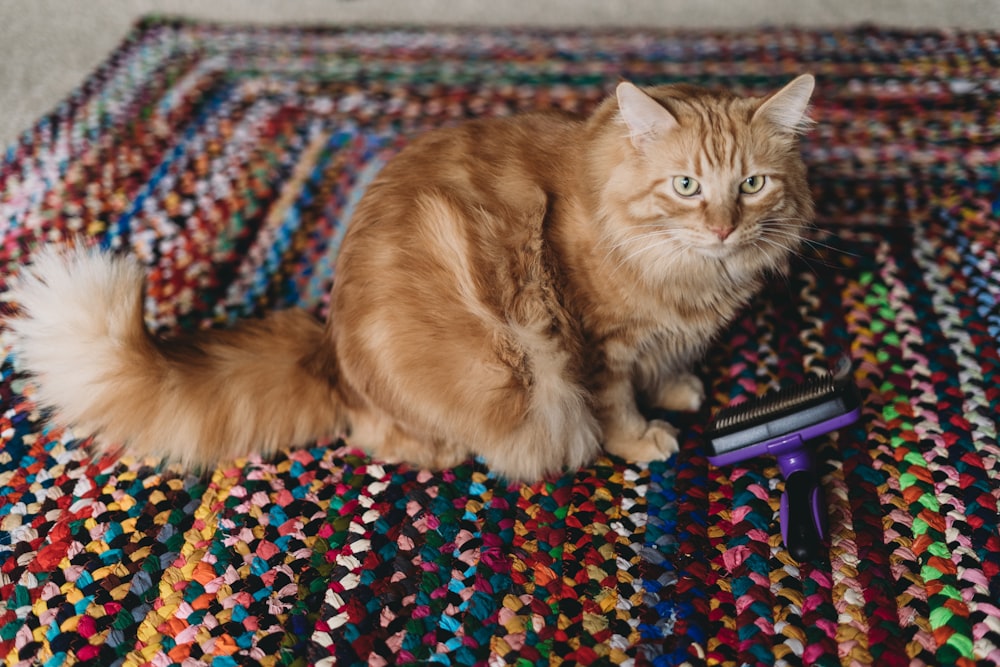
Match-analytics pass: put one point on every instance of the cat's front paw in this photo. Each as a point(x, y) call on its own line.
point(683, 392)
point(657, 443)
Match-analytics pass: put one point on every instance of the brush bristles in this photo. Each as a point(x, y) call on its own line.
point(773, 403)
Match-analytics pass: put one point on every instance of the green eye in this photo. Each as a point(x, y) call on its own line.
point(686, 186)
point(752, 185)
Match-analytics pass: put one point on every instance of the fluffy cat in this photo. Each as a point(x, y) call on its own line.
point(512, 288)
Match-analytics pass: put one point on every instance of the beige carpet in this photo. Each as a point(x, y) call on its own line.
point(48, 46)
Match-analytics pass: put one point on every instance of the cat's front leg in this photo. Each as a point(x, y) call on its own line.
point(664, 384)
point(680, 391)
point(626, 432)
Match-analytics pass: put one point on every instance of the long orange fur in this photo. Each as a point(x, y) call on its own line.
point(511, 288)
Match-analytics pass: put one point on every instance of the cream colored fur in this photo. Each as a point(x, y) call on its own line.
point(221, 396)
point(510, 288)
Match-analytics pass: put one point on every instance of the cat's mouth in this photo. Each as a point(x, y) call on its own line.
point(717, 249)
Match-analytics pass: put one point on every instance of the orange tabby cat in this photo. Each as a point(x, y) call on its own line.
point(508, 288)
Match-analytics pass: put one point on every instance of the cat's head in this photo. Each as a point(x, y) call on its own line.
point(707, 179)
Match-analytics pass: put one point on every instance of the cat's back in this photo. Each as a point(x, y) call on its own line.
point(488, 162)
point(456, 195)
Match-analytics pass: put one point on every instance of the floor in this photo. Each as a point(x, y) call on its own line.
point(47, 47)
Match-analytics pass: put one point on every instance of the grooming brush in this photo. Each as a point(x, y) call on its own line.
point(779, 424)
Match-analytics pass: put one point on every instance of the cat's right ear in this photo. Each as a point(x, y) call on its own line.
point(645, 117)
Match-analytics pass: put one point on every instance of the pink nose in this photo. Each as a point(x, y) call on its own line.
point(722, 232)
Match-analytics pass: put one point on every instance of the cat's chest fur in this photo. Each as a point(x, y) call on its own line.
point(668, 330)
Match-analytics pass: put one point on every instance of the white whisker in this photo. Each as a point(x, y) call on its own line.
point(813, 243)
point(795, 253)
point(650, 247)
point(662, 236)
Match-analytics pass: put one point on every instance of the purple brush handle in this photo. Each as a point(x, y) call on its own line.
point(803, 535)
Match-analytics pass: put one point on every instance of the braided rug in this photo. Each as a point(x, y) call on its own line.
point(229, 160)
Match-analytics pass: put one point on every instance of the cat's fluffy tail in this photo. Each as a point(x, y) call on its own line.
point(196, 399)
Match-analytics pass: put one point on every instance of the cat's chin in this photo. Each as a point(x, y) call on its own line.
point(716, 250)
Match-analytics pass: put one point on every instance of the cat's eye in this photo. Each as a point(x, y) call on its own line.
point(752, 185)
point(686, 186)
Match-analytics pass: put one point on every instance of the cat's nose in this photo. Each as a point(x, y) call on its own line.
point(722, 232)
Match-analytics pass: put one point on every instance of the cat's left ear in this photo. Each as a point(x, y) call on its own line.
point(787, 108)
point(644, 116)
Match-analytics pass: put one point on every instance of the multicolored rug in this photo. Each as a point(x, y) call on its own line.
point(229, 160)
